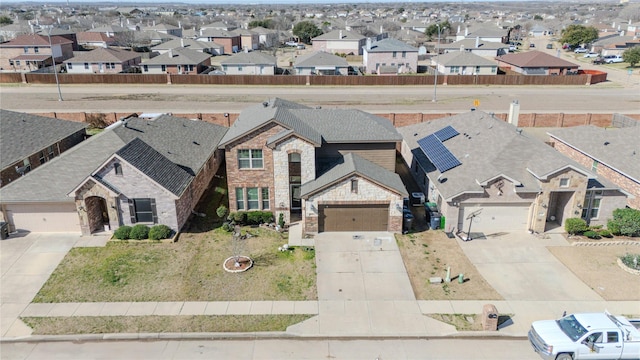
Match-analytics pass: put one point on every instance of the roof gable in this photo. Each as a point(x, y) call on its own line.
point(156, 166)
point(102, 54)
point(320, 58)
point(178, 56)
point(535, 59)
point(390, 45)
point(355, 165)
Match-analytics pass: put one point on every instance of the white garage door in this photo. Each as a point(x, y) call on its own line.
point(44, 217)
point(494, 218)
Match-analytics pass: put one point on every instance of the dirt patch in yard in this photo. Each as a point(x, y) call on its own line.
point(427, 254)
point(597, 267)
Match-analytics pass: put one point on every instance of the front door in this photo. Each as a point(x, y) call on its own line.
point(296, 202)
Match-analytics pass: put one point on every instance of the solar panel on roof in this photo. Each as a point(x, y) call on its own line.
point(438, 154)
point(446, 133)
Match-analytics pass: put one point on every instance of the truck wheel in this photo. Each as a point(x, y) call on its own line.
point(564, 357)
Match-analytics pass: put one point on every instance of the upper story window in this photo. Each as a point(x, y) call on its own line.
point(36, 50)
point(564, 182)
point(354, 186)
point(69, 66)
point(26, 49)
point(118, 168)
point(250, 159)
point(394, 54)
point(594, 166)
point(86, 66)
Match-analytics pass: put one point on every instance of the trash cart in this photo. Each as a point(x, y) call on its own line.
point(4, 230)
point(407, 221)
point(435, 220)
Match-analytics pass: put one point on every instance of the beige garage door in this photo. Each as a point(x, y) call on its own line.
point(494, 218)
point(366, 217)
point(44, 217)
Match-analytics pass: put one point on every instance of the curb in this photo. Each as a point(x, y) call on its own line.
point(247, 336)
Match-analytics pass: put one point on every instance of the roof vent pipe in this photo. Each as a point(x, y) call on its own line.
point(514, 113)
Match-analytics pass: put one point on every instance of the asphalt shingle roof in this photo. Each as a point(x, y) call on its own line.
point(335, 35)
point(156, 166)
point(390, 45)
point(471, 44)
point(178, 56)
point(187, 43)
point(22, 135)
point(105, 55)
point(185, 143)
point(618, 148)
point(320, 58)
point(464, 58)
point(315, 125)
point(535, 59)
point(250, 58)
point(355, 165)
point(35, 40)
point(487, 147)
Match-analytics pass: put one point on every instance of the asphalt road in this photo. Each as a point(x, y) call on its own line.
point(600, 98)
point(441, 349)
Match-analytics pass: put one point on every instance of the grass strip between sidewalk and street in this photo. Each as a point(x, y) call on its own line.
point(160, 324)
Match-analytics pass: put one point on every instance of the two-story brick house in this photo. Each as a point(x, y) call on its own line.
point(333, 170)
point(32, 51)
point(613, 153)
point(28, 141)
point(137, 171)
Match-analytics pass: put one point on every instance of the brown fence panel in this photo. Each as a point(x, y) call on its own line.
point(7, 78)
point(237, 79)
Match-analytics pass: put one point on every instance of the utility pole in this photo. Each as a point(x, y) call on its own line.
point(53, 60)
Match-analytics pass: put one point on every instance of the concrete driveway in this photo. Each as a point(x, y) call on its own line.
point(364, 289)
point(519, 267)
point(26, 262)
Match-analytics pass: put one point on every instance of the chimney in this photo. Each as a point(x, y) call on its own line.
point(462, 48)
point(477, 41)
point(181, 42)
point(170, 52)
point(514, 113)
point(466, 31)
point(381, 29)
point(458, 32)
point(180, 24)
point(340, 36)
point(368, 44)
point(154, 23)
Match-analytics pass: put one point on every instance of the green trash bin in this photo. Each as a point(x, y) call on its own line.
point(442, 222)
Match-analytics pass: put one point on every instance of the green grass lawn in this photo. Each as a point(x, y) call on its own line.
point(187, 270)
point(160, 324)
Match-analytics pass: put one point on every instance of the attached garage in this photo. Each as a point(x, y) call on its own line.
point(38, 217)
point(493, 218)
point(356, 217)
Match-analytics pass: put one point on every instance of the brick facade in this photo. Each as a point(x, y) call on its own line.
point(624, 182)
point(42, 156)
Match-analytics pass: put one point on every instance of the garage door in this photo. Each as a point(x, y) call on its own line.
point(353, 217)
point(44, 217)
point(494, 218)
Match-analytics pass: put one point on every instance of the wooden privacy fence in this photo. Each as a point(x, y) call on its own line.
point(583, 78)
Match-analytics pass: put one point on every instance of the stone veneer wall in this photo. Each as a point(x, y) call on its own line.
point(281, 171)
point(88, 190)
point(133, 184)
point(368, 192)
point(577, 185)
point(624, 182)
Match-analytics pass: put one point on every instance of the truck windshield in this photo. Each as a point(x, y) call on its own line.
point(571, 327)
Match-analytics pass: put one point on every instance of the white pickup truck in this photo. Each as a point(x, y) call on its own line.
point(599, 336)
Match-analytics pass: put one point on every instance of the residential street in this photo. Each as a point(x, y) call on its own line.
point(600, 98)
point(250, 349)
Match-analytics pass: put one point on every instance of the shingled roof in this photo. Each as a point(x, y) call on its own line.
point(390, 45)
point(174, 143)
point(315, 125)
point(35, 40)
point(355, 165)
point(535, 59)
point(178, 56)
point(464, 58)
point(250, 58)
point(104, 55)
point(22, 135)
point(320, 58)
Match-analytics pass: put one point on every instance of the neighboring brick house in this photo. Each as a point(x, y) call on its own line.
point(536, 63)
point(249, 63)
point(613, 153)
point(321, 63)
point(482, 172)
point(476, 46)
point(249, 40)
point(267, 38)
point(333, 170)
point(340, 42)
point(201, 46)
point(95, 39)
point(177, 61)
point(137, 171)
point(31, 52)
point(101, 60)
point(390, 52)
point(28, 141)
point(230, 40)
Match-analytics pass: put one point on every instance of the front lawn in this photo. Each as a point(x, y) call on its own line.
point(187, 270)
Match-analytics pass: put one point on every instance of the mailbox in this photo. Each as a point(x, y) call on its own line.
point(489, 318)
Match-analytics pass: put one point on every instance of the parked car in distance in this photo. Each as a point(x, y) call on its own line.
point(591, 55)
point(610, 59)
point(532, 45)
point(217, 72)
point(549, 46)
point(598, 60)
point(512, 48)
point(291, 43)
point(580, 50)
